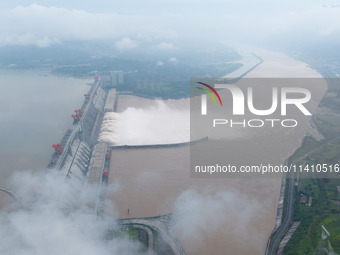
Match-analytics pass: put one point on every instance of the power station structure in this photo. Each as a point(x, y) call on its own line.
point(85, 162)
point(112, 78)
point(78, 156)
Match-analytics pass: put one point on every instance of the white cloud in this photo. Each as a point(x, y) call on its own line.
point(43, 26)
point(159, 63)
point(43, 227)
point(173, 60)
point(125, 44)
point(28, 39)
point(165, 46)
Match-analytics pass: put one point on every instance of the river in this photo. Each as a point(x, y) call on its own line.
point(215, 216)
point(35, 111)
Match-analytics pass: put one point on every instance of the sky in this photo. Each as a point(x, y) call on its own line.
point(130, 23)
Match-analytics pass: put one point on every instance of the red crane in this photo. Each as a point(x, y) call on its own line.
point(108, 155)
point(57, 148)
point(76, 116)
point(78, 112)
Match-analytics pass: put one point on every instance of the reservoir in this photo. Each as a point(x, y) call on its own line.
point(35, 111)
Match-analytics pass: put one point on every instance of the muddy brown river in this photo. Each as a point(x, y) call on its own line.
point(215, 216)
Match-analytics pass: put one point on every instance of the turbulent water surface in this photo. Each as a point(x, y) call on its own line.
point(215, 216)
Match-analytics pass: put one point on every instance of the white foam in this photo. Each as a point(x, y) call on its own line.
point(160, 124)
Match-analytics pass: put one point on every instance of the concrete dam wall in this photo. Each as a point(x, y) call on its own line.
point(78, 144)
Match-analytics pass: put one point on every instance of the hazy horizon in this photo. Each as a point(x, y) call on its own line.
point(165, 25)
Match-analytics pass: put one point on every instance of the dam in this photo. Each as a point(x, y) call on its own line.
point(85, 158)
point(85, 162)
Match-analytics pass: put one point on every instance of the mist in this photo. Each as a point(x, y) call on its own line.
point(44, 225)
point(161, 123)
point(129, 24)
point(204, 215)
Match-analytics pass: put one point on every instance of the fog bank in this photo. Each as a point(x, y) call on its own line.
point(45, 225)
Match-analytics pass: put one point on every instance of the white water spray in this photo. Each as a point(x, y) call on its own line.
point(160, 124)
